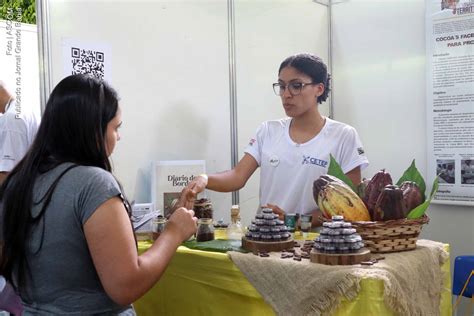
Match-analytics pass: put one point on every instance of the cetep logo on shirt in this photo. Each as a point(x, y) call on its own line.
point(314, 161)
point(252, 141)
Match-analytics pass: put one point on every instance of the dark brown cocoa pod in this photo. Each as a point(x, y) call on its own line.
point(390, 204)
point(374, 188)
point(412, 195)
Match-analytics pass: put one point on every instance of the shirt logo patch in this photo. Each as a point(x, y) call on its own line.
point(360, 150)
point(274, 161)
point(314, 161)
point(252, 141)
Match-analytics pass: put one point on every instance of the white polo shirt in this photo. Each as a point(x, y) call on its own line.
point(17, 132)
point(288, 169)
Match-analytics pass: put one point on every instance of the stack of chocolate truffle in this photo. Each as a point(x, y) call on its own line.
point(267, 227)
point(338, 236)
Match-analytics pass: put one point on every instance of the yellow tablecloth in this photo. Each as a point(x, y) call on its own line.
point(208, 283)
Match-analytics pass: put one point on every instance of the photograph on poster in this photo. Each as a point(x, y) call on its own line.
point(446, 171)
point(467, 171)
point(168, 198)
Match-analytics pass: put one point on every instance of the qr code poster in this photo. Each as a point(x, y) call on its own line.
point(86, 58)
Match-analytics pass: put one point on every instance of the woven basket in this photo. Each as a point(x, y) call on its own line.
point(392, 235)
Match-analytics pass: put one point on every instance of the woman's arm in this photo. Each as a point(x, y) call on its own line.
point(226, 181)
point(235, 179)
point(124, 274)
point(355, 176)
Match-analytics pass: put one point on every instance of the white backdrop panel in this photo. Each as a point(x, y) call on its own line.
point(170, 67)
point(266, 33)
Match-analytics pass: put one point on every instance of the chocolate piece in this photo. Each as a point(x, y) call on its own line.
point(271, 222)
point(260, 222)
point(335, 232)
point(348, 231)
point(276, 237)
point(264, 254)
point(286, 255)
point(267, 211)
point(367, 263)
point(256, 236)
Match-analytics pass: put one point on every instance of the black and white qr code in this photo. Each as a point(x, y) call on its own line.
point(87, 62)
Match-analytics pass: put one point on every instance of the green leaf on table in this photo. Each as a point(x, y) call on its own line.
point(412, 174)
point(216, 245)
point(336, 170)
point(418, 211)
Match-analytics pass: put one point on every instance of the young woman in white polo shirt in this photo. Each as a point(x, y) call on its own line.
point(294, 151)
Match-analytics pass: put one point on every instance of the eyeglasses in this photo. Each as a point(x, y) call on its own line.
point(294, 87)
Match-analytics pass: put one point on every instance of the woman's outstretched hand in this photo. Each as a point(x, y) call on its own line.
point(190, 192)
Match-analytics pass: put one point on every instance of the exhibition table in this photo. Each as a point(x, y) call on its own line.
point(208, 283)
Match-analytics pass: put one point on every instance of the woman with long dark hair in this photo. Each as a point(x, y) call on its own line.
point(68, 241)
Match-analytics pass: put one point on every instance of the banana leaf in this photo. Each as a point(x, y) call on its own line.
point(216, 245)
point(418, 211)
point(412, 174)
point(336, 171)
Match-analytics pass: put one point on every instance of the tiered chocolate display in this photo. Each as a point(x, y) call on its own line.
point(267, 233)
point(338, 236)
point(338, 243)
point(267, 227)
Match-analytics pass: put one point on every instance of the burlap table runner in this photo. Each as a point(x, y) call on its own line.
point(413, 281)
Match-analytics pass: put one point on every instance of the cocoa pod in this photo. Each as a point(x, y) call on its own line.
point(390, 204)
point(412, 195)
point(374, 188)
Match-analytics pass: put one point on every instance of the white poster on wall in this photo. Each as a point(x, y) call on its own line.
point(169, 178)
point(450, 98)
point(80, 57)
